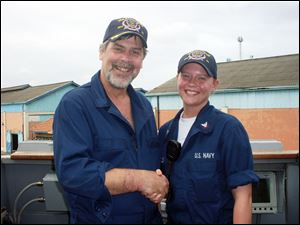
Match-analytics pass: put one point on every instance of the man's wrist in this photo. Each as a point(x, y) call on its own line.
point(132, 180)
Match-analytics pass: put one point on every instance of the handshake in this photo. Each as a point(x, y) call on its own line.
point(153, 185)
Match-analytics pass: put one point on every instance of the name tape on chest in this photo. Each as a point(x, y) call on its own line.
point(204, 155)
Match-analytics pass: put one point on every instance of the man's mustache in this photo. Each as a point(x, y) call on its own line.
point(123, 65)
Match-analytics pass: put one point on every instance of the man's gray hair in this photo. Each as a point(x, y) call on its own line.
point(104, 45)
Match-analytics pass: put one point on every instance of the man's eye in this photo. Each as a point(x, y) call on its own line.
point(136, 52)
point(117, 49)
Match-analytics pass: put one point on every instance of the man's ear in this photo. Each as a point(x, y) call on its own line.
point(101, 55)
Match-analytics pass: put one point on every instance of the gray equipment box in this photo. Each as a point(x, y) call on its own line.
point(35, 146)
point(53, 193)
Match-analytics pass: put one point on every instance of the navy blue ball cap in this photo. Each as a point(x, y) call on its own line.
point(122, 26)
point(201, 57)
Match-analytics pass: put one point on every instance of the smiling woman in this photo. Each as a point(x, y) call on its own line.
point(213, 144)
point(195, 90)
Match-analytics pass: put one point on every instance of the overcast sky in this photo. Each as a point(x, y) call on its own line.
point(50, 42)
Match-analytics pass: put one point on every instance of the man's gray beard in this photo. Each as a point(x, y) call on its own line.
point(116, 83)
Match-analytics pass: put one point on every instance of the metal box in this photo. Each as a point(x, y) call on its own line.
point(53, 193)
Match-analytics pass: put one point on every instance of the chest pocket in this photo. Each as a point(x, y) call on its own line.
point(203, 181)
point(114, 150)
point(202, 168)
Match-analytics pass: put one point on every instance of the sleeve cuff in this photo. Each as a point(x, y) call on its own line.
point(242, 178)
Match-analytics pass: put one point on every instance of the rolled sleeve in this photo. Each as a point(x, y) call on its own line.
point(77, 171)
point(241, 178)
point(237, 156)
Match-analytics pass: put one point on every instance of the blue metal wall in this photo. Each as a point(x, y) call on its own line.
point(49, 102)
point(46, 103)
point(257, 99)
point(12, 108)
point(243, 99)
point(166, 102)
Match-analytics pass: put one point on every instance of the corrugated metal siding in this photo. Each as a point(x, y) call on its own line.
point(256, 100)
point(242, 100)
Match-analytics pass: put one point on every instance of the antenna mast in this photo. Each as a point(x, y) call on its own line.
point(240, 40)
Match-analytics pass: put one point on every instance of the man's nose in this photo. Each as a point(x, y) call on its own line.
point(126, 56)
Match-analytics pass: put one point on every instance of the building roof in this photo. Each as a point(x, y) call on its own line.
point(275, 71)
point(26, 93)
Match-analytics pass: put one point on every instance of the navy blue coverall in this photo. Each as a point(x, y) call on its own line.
point(90, 138)
point(215, 158)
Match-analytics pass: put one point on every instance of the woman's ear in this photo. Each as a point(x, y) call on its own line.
point(215, 85)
